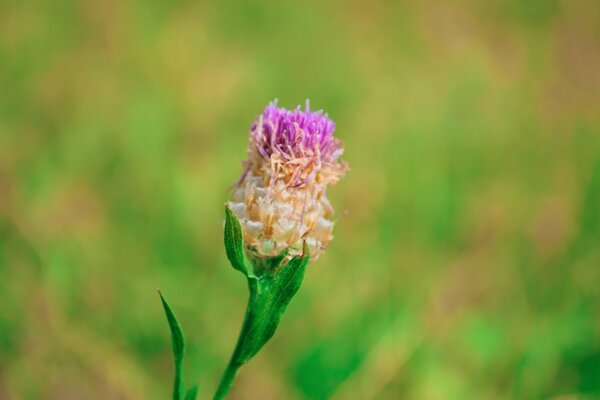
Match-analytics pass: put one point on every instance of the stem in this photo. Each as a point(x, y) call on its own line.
point(236, 360)
point(227, 380)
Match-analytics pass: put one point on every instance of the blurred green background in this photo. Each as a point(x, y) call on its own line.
point(466, 263)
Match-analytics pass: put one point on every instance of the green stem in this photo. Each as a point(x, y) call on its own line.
point(236, 360)
point(227, 380)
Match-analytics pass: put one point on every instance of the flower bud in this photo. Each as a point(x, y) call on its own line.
point(281, 198)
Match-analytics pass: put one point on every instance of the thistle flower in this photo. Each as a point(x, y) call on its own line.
point(281, 199)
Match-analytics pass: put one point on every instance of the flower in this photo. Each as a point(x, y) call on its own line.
point(281, 199)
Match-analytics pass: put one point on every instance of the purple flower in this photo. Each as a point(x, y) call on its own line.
point(293, 133)
point(300, 141)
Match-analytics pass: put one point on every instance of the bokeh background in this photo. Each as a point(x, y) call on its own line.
point(466, 263)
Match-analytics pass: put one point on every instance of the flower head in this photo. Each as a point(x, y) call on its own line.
point(281, 199)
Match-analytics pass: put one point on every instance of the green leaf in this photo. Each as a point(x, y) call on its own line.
point(192, 393)
point(275, 295)
point(234, 242)
point(269, 298)
point(178, 343)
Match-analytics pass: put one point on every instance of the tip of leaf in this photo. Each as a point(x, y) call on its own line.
point(162, 298)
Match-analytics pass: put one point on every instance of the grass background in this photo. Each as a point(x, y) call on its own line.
point(466, 263)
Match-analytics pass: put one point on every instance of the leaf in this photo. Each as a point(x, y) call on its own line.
point(234, 242)
point(192, 393)
point(178, 343)
point(269, 298)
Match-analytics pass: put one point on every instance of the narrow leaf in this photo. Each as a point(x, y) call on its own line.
point(290, 278)
point(284, 286)
point(234, 242)
point(269, 298)
point(178, 343)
